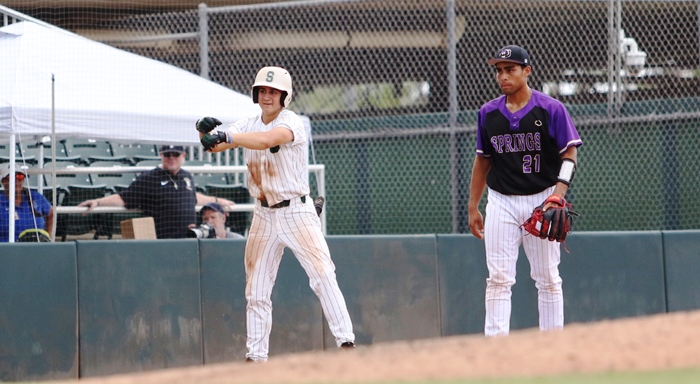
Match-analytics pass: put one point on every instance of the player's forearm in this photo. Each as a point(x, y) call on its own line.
point(223, 147)
point(560, 189)
point(262, 140)
point(566, 175)
point(252, 141)
point(475, 194)
point(571, 153)
point(478, 182)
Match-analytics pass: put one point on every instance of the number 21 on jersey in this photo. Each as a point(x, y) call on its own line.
point(531, 163)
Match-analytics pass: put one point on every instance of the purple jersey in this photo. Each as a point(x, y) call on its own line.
point(524, 147)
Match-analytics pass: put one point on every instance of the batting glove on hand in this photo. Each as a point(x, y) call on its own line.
point(207, 124)
point(210, 142)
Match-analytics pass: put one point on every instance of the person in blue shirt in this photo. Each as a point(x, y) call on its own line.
point(32, 210)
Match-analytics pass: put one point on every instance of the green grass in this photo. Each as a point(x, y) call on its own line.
point(680, 376)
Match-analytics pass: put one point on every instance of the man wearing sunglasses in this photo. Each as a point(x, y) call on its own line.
point(32, 209)
point(166, 193)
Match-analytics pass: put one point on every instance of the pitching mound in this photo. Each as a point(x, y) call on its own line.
point(636, 344)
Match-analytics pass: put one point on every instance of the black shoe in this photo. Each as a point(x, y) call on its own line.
point(249, 360)
point(347, 345)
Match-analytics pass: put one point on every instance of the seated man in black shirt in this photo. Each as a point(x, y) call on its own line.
point(166, 193)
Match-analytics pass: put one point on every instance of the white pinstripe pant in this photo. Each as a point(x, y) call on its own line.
point(299, 228)
point(503, 236)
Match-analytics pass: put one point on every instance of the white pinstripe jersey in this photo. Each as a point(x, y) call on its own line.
point(282, 175)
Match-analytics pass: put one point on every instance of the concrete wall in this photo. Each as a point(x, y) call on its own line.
point(93, 308)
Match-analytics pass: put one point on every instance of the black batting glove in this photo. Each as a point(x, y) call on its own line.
point(210, 142)
point(207, 124)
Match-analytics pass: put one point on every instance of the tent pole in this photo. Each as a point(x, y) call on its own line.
point(40, 164)
point(11, 197)
point(53, 157)
point(203, 41)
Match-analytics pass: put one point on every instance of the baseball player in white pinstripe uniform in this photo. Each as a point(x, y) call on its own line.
point(274, 145)
point(526, 151)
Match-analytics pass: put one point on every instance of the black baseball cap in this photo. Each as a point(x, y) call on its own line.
point(511, 54)
point(172, 148)
point(214, 207)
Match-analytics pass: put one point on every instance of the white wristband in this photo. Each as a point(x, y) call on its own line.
point(567, 171)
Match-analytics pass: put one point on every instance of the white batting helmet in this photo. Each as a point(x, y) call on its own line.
point(274, 77)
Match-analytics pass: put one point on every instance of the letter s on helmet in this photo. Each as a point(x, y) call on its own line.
point(274, 77)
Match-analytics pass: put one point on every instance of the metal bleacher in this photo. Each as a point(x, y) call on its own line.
point(135, 152)
point(105, 169)
point(89, 150)
point(114, 181)
point(87, 174)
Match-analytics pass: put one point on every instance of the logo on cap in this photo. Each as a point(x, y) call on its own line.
point(505, 53)
point(511, 53)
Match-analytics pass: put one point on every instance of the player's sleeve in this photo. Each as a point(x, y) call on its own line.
point(291, 121)
point(482, 149)
point(238, 126)
point(563, 130)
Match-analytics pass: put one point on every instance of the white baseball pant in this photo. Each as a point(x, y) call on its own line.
point(299, 228)
point(503, 236)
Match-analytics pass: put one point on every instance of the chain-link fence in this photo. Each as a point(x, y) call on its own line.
point(392, 88)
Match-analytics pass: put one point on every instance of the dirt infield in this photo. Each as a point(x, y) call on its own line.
point(637, 344)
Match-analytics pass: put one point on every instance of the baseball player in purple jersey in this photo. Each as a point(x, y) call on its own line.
point(526, 154)
point(274, 145)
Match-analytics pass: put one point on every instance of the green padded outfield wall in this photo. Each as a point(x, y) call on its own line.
point(139, 305)
point(156, 304)
point(682, 257)
point(38, 312)
point(606, 275)
point(223, 300)
point(390, 286)
point(296, 312)
point(610, 275)
point(463, 272)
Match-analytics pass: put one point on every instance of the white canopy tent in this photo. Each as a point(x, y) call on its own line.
point(102, 92)
point(58, 84)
